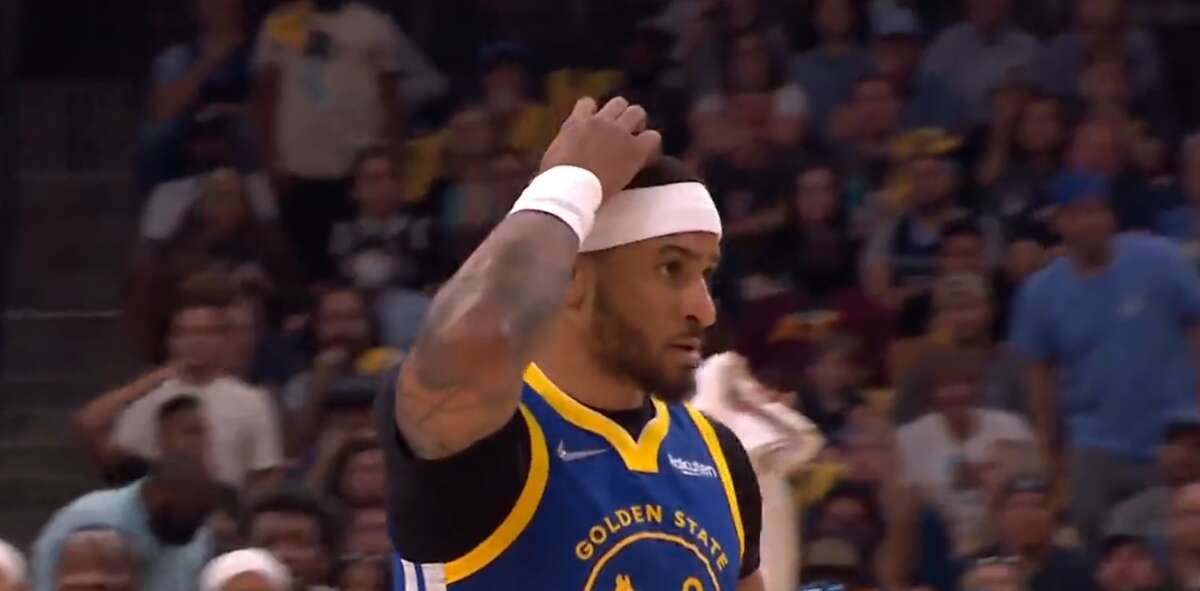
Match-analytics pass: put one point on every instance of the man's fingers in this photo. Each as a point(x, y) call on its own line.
point(584, 108)
point(633, 119)
point(613, 108)
point(648, 143)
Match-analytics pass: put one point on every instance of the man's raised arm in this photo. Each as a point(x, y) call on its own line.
point(462, 379)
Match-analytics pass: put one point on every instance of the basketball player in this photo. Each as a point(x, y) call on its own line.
point(535, 437)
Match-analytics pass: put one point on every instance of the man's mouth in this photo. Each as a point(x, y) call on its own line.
point(689, 349)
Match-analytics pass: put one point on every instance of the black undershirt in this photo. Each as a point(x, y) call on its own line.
point(439, 510)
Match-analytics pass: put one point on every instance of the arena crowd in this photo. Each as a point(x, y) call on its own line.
point(961, 237)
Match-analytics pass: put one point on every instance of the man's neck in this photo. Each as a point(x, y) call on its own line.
point(198, 377)
point(583, 378)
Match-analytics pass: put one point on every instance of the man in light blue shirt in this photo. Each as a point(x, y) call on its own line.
point(1112, 329)
point(161, 517)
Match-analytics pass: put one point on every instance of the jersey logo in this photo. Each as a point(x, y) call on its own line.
point(692, 468)
point(571, 456)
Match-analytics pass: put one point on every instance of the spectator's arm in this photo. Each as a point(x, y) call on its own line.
point(266, 101)
point(876, 271)
point(900, 550)
point(94, 422)
point(173, 95)
point(1184, 285)
point(1031, 336)
point(420, 79)
point(306, 399)
point(266, 451)
point(48, 547)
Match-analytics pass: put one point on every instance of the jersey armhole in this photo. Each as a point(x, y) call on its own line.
point(519, 517)
point(718, 457)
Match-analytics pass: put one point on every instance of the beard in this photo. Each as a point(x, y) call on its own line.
point(624, 350)
point(172, 531)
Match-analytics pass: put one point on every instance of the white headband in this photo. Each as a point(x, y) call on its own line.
point(634, 215)
point(227, 566)
point(12, 565)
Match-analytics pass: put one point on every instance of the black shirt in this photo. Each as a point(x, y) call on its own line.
point(439, 510)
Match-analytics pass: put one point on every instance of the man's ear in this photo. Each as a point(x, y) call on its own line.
point(583, 277)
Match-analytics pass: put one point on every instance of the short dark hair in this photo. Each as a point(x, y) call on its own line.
point(207, 289)
point(964, 227)
point(664, 170)
point(298, 501)
point(176, 405)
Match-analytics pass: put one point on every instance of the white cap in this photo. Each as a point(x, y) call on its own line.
point(256, 560)
point(12, 565)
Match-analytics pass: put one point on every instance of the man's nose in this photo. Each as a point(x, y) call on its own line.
point(698, 305)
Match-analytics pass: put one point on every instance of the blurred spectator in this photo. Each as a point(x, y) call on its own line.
point(95, 557)
point(976, 55)
point(1026, 526)
point(14, 575)
point(476, 202)
point(851, 513)
point(250, 568)
point(219, 234)
point(900, 260)
point(1110, 327)
point(943, 452)
point(833, 564)
point(962, 320)
point(827, 73)
point(1182, 222)
point(814, 246)
point(209, 74)
point(508, 101)
point(994, 574)
point(160, 520)
point(1101, 26)
point(1185, 537)
point(354, 475)
point(336, 392)
point(651, 82)
point(1023, 152)
point(829, 396)
point(960, 252)
point(1128, 564)
point(1147, 514)
point(244, 442)
point(896, 44)
point(181, 430)
point(390, 243)
point(370, 573)
point(223, 521)
point(326, 81)
point(1106, 89)
point(299, 530)
point(862, 133)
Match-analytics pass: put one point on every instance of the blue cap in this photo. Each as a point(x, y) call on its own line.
point(1074, 187)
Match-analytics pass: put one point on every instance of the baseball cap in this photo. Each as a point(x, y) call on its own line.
point(1075, 187)
point(894, 21)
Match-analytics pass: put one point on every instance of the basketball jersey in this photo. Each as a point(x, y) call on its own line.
point(601, 511)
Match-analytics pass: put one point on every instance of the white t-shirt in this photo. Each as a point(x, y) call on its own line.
point(930, 458)
point(243, 426)
point(171, 202)
point(329, 96)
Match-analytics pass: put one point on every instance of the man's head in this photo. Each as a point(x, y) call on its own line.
point(934, 182)
point(95, 558)
point(835, 20)
point(961, 249)
point(1189, 167)
point(182, 430)
point(343, 319)
point(14, 572)
point(1041, 129)
point(833, 368)
point(505, 76)
point(358, 475)
point(963, 308)
point(1127, 564)
point(817, 194)
point(993, 573)
point(376, 183)
point(199, 327)
point(1095, 148)
point(751, 66)
point(1179, 455)
point(1099, 15)
point(896, 45)
point(179, 496)
point(876, 106)
point(1026, 514)
point(219, 16)
point(868, 451)
point(223, 207)
point(988, 14)
point(250, 569)
point(1106, 81)
point(1084, 218)
point(851, 512)
point(211, 142)
point(956, 381)
point(640, 308)
point(298, 529)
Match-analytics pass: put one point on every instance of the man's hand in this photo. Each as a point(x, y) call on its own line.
point(612, 143)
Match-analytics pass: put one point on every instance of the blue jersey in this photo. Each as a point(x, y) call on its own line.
point(600, 511)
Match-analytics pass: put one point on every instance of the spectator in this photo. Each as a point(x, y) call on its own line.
point(337, 391)
point(829, 396)
point(325, 87)
point(962, 320)
point(833, 564)
point(1026, 526)
point(851, 513)
point(390, 243)
point(900, 260)
point(1127, 564)
point(223, 521)
point(1106, 88)
point(1110, 329)
point(354, 475)
point(472, 206)
point(943, 452)
point(960, 252)
point(95, 557)
point(1023, 152)
point(245, 569)
point(1185, 537)
point(208, 74)
point(181, 430)
point(896, 44)
point(523, 124)
point(814, 245)
point(993, 574)
point(1147, 514)
point(243, 427)
point(827, 73)
point(13, 571)
point(1101, 26)
point(363, 574)
point(976, 55)
point(651, 81)
point(862, 133)
point(160, 518)
point(299, 530)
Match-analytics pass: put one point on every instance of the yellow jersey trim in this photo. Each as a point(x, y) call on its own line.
point(650, 535)
point(520, 515)
point(639, 456)
point(718, 456)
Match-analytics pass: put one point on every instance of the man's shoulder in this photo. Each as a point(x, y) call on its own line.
point(235, 387)
point(103, 507)
point(1143, 247)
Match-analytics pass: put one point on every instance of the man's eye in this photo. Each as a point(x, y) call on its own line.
point(671, 270)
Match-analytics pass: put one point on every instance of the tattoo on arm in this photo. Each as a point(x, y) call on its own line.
point(482, 330)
